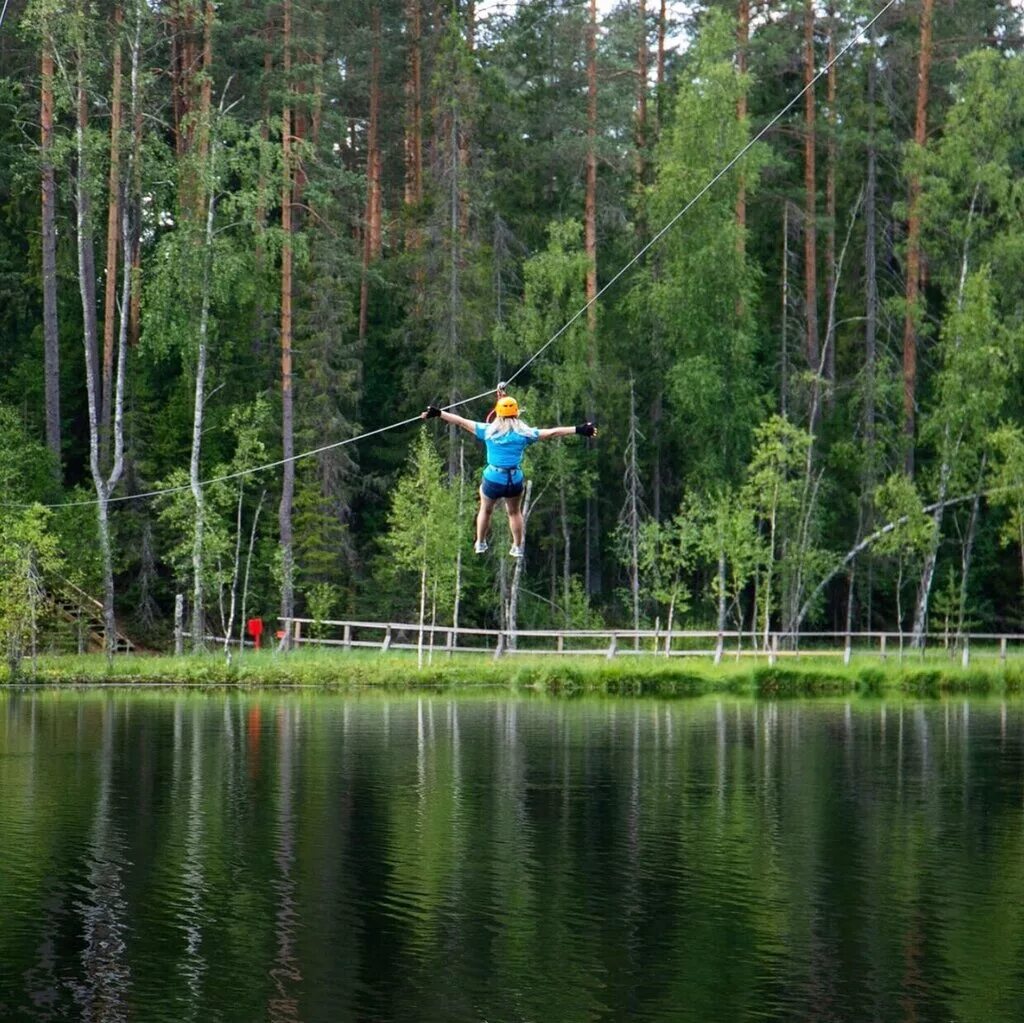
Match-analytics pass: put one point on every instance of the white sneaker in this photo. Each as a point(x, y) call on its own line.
point(480, 547)
point(515, 551)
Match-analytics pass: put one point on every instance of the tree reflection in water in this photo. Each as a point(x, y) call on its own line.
point(305, 857)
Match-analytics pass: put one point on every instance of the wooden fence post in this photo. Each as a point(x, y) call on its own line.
point(386, 645)
point(965, 654)
point(347, 637)
point(561, 642)
point(179, 619)
point(499, 649)
point(773, 649)
point(881, 647)
point(297, 632)
point(612, 647)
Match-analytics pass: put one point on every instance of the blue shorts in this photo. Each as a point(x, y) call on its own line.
point(496, 491)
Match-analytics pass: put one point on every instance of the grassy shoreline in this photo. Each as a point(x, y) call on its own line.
point(933, 675)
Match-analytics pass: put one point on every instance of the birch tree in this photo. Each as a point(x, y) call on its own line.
point(422, 528)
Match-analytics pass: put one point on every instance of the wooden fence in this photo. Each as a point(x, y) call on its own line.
point(611, 643)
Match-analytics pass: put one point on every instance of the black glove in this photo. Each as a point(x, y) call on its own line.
point(586, 429)
point(432, 412)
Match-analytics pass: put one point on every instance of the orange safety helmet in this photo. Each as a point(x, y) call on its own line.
point(507, 407)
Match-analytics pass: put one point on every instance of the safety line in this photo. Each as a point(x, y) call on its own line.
point(547, 344)
point(236, 475)
point(3, 13)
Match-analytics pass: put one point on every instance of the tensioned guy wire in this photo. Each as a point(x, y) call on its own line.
point(858, 35)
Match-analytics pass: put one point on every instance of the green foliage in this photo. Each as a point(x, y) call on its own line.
point(913, 529)
point(423, 536)
point(27, 469)
point(221, 512)
point(1006, 483)
point(28, 550)
point(971, 199)
point(695, 305)
point(666, 551)
point(977, 355)
point(321, 600)
point(727, 538)
point(489, 265)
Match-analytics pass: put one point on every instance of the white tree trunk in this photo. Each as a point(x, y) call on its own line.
point(199, 410)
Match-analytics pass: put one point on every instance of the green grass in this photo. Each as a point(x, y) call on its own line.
point(934, 675)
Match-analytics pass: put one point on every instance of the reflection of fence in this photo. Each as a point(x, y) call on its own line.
point(612, 643)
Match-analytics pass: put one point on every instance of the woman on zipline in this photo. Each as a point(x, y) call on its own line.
point(506, 439)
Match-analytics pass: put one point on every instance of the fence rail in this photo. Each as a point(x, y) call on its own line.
point(350, 634)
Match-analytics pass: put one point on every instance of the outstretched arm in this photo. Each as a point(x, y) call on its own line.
point(433, 412)
point(584, 430)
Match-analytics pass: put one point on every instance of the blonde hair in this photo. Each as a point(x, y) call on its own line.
point(504, 425)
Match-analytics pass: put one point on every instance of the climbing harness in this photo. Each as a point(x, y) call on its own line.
point(858, 35)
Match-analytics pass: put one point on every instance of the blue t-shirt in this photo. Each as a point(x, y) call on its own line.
point(505, 452)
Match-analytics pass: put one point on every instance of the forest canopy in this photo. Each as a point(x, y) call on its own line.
point(236, 232)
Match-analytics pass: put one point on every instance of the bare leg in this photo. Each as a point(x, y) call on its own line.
point(483, 517)
point(514, 506)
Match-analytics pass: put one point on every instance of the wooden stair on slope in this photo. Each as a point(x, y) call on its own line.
point(84, 613)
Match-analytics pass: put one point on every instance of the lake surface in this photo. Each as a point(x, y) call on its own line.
point(325, 857)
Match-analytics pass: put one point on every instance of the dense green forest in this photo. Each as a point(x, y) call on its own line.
point(236, 232)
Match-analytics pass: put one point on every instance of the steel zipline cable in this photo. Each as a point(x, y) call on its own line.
point(3, 13)
point(857, 36)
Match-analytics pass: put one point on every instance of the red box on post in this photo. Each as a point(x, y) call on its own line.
point(254, 626)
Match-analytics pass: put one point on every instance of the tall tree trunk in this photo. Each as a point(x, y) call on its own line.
point(640, 125)
point(659, 78)
point(135, 305)
point(113, 233)
point(924, 588)
point(205, 189)
point(871, 292)
point(831, 282)
point(913, 283)
point(812, 348)
point(316, 119)
point(967, 551)
point(742, 44)
point(87, 291)
point(287, 409)
point(456, 237)
point(457, 600)
point(206, 84)
point(87, 259)
point(784, 328)
point(199, 409)
point(590, 198)
point(949, 452)
point(517, 573)
point(563, 519)
point(593, 578)
point(184, 68)
point(414, 111)
point(631, 512)
point(51, 336)
point(372, 225)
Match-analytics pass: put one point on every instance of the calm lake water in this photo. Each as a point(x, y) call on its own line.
point(324, 857)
